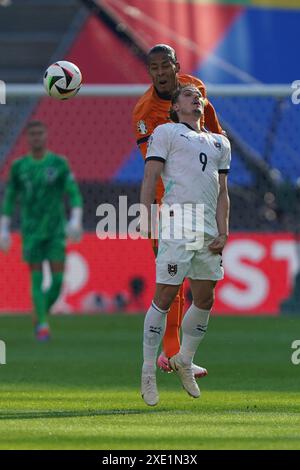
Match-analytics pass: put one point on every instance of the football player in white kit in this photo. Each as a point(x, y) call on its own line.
point(193, 165)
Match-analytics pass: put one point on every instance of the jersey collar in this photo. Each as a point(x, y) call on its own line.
point(39, 160)
point(187, 125)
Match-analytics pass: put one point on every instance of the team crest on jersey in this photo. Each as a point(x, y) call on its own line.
point(217, 145)
point(51, 174)
point(142, 128)
point(172, 269)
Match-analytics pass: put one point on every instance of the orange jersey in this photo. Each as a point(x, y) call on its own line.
point(151, 111)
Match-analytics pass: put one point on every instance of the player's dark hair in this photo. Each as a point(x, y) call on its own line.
point(35, 123)
point(163, 48)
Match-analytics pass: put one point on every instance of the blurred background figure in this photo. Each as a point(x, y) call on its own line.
point(38, 181)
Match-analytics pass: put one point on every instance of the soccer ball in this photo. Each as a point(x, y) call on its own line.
point(62, 80)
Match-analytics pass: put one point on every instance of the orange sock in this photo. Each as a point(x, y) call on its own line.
point(171, 339)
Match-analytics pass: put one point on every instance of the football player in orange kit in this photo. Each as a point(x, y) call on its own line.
point(151, 110)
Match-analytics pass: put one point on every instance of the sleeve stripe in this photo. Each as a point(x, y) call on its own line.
point(225, 172)
point(158, 159)
point(143, 140)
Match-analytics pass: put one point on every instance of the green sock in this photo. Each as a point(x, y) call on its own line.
point(38, 296)
point(54, 290)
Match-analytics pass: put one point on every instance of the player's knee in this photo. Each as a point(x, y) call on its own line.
point(205, 303)
point(164, 300)
point(165, 295)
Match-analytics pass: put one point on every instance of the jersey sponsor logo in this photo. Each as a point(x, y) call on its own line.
point(172, 269)
point(185, 136)
point(142, 128)
point(50, 174)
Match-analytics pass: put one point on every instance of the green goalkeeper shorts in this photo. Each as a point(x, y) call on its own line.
point(37, 251)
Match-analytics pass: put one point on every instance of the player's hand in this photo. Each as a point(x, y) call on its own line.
point(74, 231)
point(218, 244)
point(5, 241)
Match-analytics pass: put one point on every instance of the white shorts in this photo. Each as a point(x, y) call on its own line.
point(174, 263)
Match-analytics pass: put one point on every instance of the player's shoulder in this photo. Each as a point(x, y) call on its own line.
point(143, 106)
point(166, 128)
point(20, 162)
point(56, 158)
point(185, 79)
point(220, 140)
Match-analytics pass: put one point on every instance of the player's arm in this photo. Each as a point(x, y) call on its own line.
point(222, 216)
point(153, 169)
point(223, 204)
point(143, 128)
point(7, 209)
point(157, 153)
point(211, 119)
point(74, 226)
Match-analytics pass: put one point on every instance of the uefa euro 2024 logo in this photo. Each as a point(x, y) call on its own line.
point(2, 353)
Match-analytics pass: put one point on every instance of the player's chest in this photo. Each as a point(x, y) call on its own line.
point(39, 177)
point(195, 152)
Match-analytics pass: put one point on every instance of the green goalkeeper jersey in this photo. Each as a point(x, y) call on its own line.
point(40, 186)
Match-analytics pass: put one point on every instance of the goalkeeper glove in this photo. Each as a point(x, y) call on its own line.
point(5, 239)
point(74, 227)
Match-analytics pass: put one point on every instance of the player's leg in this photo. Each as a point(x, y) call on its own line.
point(38, 300)
point(195, 322)
point(33, 256)
point(171, 339)
point(169, 277)
point(57, 275)
point(154, 328)
point(194, 327)
point(205, 270)
point(55, 253)
point(42, 331)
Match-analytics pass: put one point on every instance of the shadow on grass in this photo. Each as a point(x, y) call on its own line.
point(75, 414)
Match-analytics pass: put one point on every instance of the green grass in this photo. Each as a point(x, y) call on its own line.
point(81, 391)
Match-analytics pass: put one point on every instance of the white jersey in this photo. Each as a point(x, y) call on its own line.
point(193, 162)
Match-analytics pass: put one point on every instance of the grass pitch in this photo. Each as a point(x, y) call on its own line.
point(81, 390)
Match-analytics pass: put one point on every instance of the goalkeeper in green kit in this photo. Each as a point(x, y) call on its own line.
point(40, 181)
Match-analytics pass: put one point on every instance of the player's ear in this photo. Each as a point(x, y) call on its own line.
point(177, 67)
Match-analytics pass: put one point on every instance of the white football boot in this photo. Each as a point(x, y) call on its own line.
point(163, 364)
point(186, 375)
point(149, 389)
